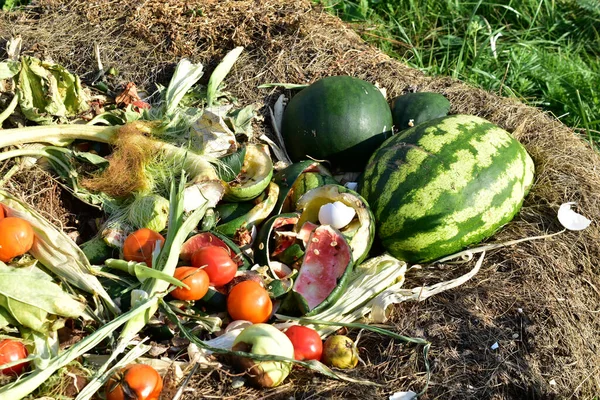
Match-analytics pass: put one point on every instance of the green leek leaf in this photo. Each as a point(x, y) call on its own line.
point(220, 73)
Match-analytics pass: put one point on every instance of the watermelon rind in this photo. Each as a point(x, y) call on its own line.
point(255, 216)
point(262, 244)
point(254, 177)
point(287, 180)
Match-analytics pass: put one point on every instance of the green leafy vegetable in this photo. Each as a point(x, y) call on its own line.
point(9, 69)
point(48, 91)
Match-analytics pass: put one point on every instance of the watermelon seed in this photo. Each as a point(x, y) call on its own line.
point(261, 246)
point(315, 240)
point(316, 252)
point(333, 244)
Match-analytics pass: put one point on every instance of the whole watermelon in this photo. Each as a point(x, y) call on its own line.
point(341, 119)
point(445, 184)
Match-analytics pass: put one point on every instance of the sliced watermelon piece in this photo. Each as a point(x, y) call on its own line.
point(282, 243)
point(359, 233)
point(327, 264)
point(199, 241)
point(305, 231)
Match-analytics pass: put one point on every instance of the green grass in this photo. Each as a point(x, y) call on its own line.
point(546, 52)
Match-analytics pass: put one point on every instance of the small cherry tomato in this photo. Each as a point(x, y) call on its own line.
point(16, 237)
point(196, 278)
point(249, 301)
point(139, 245)
point(12, 350)
point(217, 263)
point(134, 382)
point(307, 342)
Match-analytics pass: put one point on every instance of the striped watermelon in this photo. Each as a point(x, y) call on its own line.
point(445, 184)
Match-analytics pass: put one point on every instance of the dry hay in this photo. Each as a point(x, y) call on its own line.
point(538, 300)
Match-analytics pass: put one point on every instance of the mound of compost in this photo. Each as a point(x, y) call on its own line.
point(526, 326)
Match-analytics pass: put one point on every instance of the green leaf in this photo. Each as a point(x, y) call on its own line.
point(48, 91)
point(118, 116)
point(241, 120)
point(142, 271)
point(185, 76)
point(232, 165)
point(9, 68)
point(91, 158)
point(31, 298)
point(6, 319)
point(220, 73)
point(8, 5)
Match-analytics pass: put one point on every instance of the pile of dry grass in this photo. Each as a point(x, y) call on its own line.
point(538, 300)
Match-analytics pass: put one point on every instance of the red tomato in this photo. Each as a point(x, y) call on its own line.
point(16, 237)
point(135, 382)
point(196, 278)
point(217, 263)
point(249, 301)
point(307, 343)
point(12, 350)
point(139, 245)
point(2, 213)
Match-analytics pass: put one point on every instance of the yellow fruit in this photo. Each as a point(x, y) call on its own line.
point(340, 351)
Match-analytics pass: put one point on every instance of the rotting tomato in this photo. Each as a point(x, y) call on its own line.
point(12, 350)
point(196, 278)
point(217, 263)
point(135, 382)
point(16, 237)
point(307, 342)
point(139, 245)
point(249, 301)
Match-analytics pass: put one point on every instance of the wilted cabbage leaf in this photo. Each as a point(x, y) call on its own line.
point(8, 69)
point(48, 92)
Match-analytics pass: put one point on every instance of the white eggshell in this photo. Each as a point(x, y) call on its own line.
point(570, 219)
point(337, 214)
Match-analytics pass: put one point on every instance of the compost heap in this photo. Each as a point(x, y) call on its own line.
point(525, 326)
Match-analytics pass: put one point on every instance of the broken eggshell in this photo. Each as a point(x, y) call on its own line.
point(336, 214)
point(570, 219)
